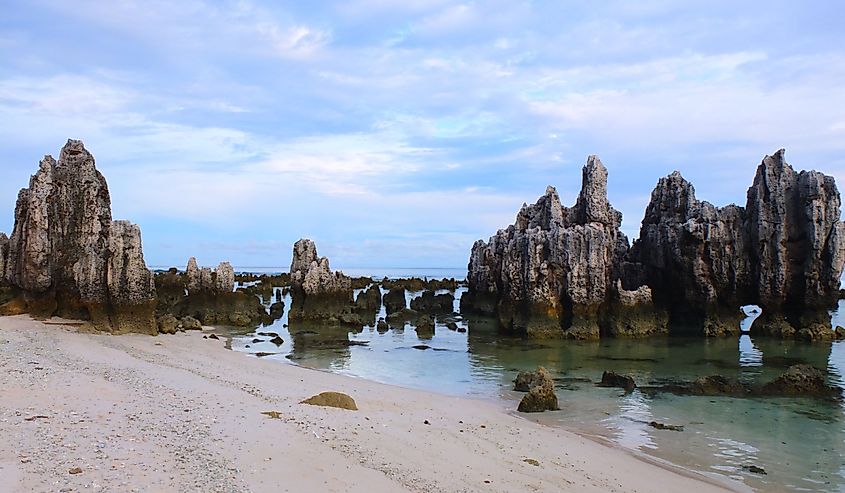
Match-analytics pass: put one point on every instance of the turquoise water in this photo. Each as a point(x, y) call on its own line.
point(799, 442)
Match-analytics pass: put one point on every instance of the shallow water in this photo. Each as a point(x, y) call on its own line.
point(799, 442)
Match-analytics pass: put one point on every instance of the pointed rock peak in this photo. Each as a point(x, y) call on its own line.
point(592, 205)
point(675, 184)
point(545, 213)
point(75, 158)
point(775, 163)
point(73, 148)
point(594, 163)
point(47, 163)
point(304, 252)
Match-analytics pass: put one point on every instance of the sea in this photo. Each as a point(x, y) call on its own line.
point(798, 442)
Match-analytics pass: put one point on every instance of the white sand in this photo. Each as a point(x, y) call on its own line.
point(181, 413)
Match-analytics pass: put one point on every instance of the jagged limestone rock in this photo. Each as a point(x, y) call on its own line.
point(548, 274)
point(692, 256)
point(67, 257)
point(224, 281)
point(797, 244)
point(4, 255)
point(209, 296)
point(632, 313)
point(317, 293)
point(130, 283)
point(568, 272)
point(192, 274)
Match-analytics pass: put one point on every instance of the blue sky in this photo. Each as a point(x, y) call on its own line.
point(396, 133)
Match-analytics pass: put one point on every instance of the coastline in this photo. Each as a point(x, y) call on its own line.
point(176, 413)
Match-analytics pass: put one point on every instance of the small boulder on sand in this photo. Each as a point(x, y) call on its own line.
point(190, 323)
point(167, 324)
point(332, 399)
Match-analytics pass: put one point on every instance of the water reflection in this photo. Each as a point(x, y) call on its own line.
point(749, 354)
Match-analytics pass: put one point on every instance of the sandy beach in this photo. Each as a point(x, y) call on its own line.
point(182, 413)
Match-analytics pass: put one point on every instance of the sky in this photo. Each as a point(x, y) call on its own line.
point(396, 133)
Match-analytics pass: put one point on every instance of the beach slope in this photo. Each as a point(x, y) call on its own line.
point(86, 412)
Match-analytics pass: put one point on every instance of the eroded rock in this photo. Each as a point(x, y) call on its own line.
point(332, 399)
point(67, 257)
point(541, 394)
point(568, 272)
point(317, 293)
point(613, 379)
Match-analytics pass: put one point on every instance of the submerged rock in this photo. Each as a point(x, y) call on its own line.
point(612, 379)
point(714, 385)
point(432, 303)
point(800, 380)
point(663, 426)
point(68, 258)
point(797, 381)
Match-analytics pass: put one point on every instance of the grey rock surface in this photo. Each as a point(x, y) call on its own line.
point(4, 255)
point(317, 293)
point(548, 273)
point(568, 272)
point(67, 256)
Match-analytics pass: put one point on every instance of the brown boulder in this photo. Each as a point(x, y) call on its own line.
point(332, 399)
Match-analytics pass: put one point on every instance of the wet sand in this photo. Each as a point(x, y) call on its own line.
point(182, 413)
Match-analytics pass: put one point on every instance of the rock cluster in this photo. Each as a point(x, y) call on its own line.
point(798, 380)
point(568, 272)
point(432, 303)
point(206, 280)
point(317, 293)
point(208, 296)
point(67, 257)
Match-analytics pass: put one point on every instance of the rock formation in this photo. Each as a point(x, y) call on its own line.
point(541, 392)
point(784, 251)
point(4, 253)
point(432, 303)
point(317, 293)
point(549, 273)
point(220, 280)
point(568, 272)
point(67, 257)
point(209, 296)
point(691, 254)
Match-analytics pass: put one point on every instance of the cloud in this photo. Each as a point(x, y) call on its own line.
point(405, 130)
